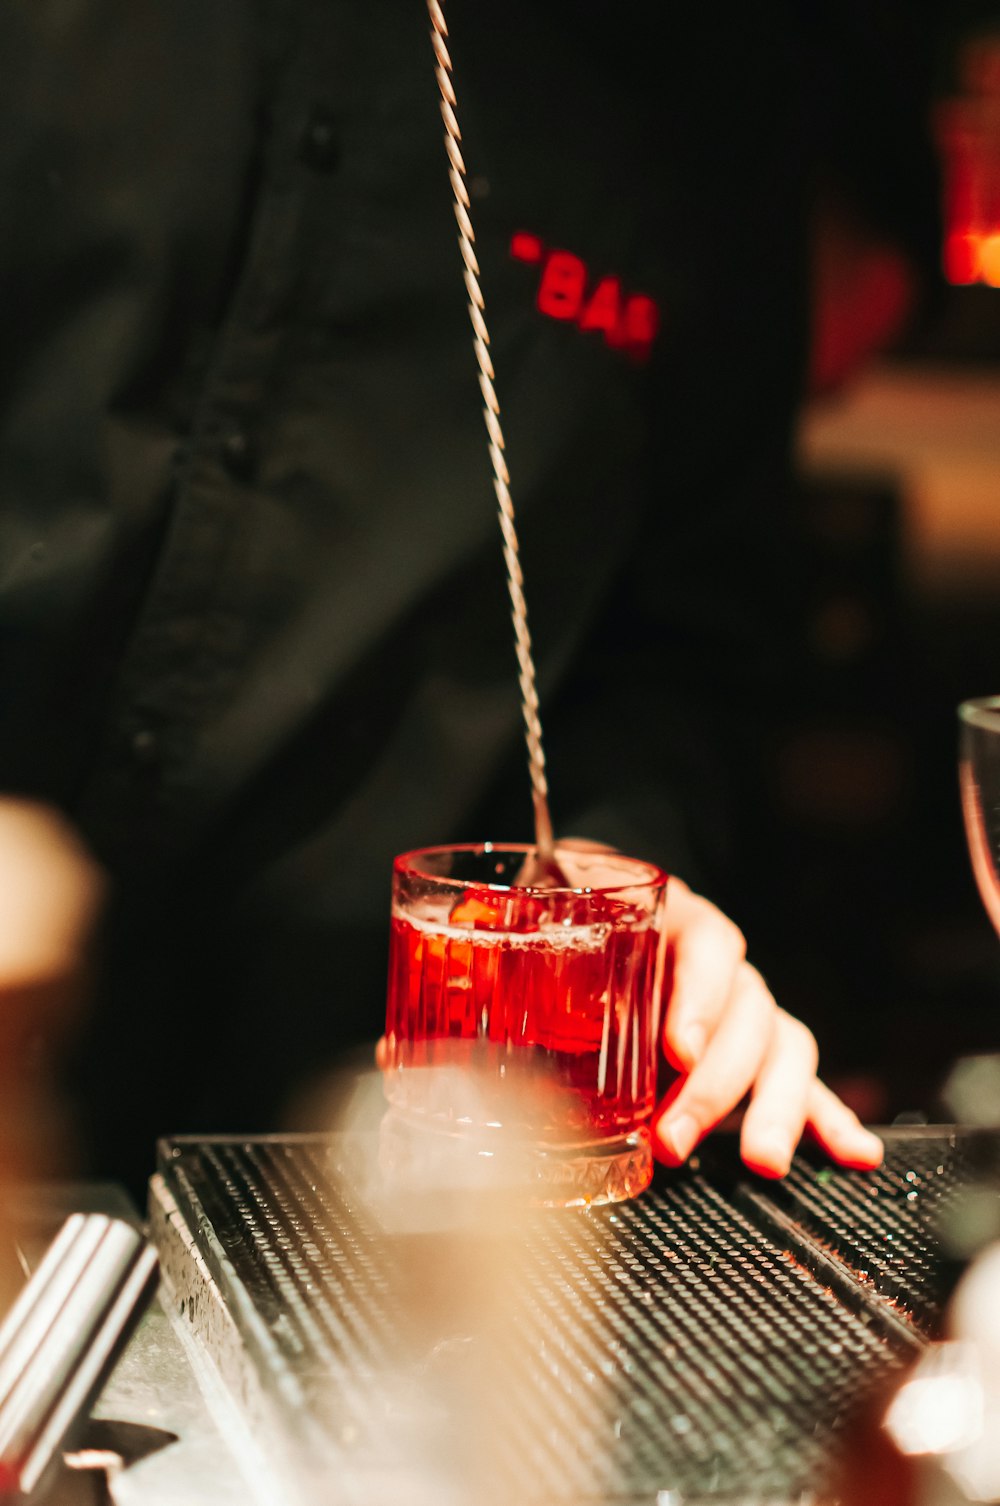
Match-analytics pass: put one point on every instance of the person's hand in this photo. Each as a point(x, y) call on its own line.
point(728, 1038)
point(729, 1041)
point(50, 895)
point(50, 898)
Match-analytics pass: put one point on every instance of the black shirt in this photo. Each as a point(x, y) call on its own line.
point(255, 635)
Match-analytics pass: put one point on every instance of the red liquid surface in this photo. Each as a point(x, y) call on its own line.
point(555, 1015)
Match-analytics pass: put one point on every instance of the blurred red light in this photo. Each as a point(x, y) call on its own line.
point(628, 322)
point(525, 247)
point(640, 321)
point(603, 310)
point(561, 290)
point(961, 258)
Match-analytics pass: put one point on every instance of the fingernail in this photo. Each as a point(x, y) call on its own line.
point(774, 1149)
point(869, 1145)
point(680, 1135)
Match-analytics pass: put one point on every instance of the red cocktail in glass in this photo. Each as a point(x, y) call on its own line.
point(546, 1003)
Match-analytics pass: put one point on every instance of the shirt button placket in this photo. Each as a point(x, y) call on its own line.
point(145, 747)
point(319, 143)
point(237, 452)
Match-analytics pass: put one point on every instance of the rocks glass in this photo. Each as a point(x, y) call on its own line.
point(522, 1023)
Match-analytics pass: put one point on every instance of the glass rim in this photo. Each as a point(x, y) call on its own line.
point(981, 711)
point(653, 877)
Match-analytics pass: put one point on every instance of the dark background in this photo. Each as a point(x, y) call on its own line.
point(865, 918)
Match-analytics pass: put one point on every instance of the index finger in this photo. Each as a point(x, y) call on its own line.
point(708, 951)
point(840, 1132)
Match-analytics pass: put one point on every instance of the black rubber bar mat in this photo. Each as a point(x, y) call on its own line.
point(711, 1341)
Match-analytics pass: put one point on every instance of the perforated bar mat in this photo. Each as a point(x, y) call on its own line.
point(710, 1341)
point(890, 1228)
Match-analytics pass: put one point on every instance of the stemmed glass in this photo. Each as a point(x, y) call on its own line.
point(979, 775)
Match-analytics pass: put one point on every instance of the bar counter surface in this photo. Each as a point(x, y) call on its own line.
point(712, 1341)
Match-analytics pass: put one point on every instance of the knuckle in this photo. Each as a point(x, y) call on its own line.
point(756, 980)
point(708, 1100)
point(684, 1040)
point(732, 938)
point(756, 998)
point(803, 1039)
point(737, 943)
point(810, 1048)
point(697, 1107)
point(672, 1027)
